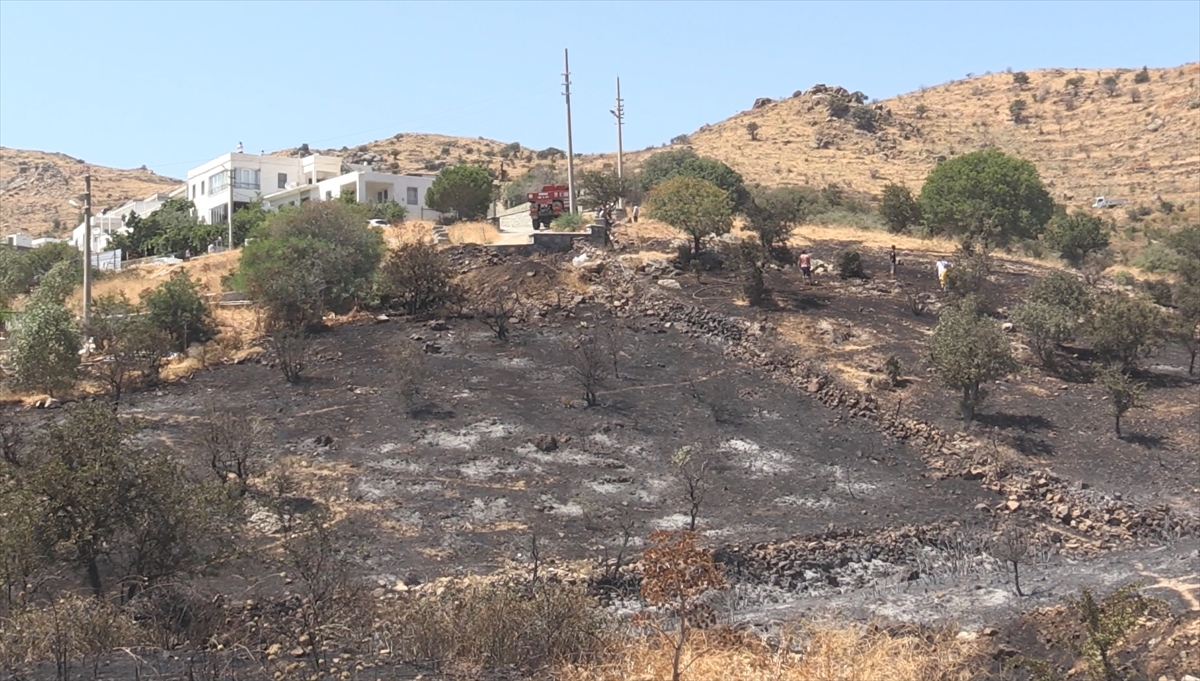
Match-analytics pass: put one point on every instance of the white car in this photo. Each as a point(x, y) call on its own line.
point(377, 223)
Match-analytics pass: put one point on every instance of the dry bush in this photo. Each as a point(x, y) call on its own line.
point(495, 307)
point(856, 653)
point(66, 630)
point(588, 364)
point(291, 348)
point(484, 625)
point(235, 443)
point(676, 573)
point(411, 372)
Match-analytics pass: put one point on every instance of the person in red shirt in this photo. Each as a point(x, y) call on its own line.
point(806, 266)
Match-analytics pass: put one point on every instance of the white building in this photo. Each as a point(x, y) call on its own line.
point(287, 180)
point(109, 223)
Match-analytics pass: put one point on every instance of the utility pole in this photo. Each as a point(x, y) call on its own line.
point(570, 147)
point(87, 250)
point(619, 112)
point(229, 246)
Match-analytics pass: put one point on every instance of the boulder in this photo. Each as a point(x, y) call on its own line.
point(546, 443)
point(761, 102)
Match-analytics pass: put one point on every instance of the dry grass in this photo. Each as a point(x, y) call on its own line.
point(53, 179)
point(473, 233)
point(836, 653)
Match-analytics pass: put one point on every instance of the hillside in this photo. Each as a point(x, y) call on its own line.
point(1085, 144)
point(35, 187)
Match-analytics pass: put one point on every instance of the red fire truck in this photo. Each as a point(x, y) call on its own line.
point(547, 204)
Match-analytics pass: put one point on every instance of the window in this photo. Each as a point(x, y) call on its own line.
point(216, 216)
point(217, 182)
point(328, 196)
point(245, 178)
point(193, 191)
point(412, 196)
point(382, 196)
point(201, 186)
point(283, 180)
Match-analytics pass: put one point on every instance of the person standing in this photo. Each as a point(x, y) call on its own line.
point(892, 257)
point(942, 268)
point(806, 266)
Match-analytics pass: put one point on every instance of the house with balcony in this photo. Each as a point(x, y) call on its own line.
point(110, 222)
point(240, 179)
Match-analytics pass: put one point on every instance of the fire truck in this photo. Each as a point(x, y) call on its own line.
point(547, 204)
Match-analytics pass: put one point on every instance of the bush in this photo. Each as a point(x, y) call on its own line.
point(1076, 235)
point(131, 344)
point(1123, 394)
point(1046, 325)
point(750, 256)
point(899, 208)
point(1157, 257)
point(1142, 77)
point(848, 264)
point(1020, 78)
point(864, 118)
point(44, 347)
point(569, 222)
point(1109, 85)
point(673, 163)
point(1061, 289)
point(1124, 329)
point(1016, 110)
point(1124, 279)
point(389, 211)
point(773, 213)
point(419, 278)
point(59, 282)
point(177, 309)
point(1159, 290)
point(968, 350)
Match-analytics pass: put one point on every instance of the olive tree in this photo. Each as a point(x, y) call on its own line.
point(1123, 329)
point(773, 212)
point(685, 163)
point(968, 350)
point(1076, 235)
point(696, 207)
point(898, 208)
point(177, 308)
point(1123, 394)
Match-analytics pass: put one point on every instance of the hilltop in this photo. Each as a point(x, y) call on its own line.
point(36, 185)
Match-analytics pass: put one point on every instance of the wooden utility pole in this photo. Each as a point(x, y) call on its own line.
point(229, 246)
point(570, 146)
point(87, 250)
point(619, 112)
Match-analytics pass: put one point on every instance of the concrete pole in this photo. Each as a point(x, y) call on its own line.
point(229, 245)
point(570, 146)
point(87, 250)
point(619, 112)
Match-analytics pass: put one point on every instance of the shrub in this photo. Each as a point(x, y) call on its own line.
point(1124, 329)
point(1109, 85)
point(132, 345)
point(1123, 394)
point(968, 350)
point(752, 128)
point(1106, 623)
point(1016, 110)
point(389, 211)
point(176, 308)
point(44, 347)
point(864, 118)
point(673, 163)
point(892, 370)
point(1047, 326)
point(588, 366)
point(1020, 78)
point(899, 208)
point(1159, 290)
point(838, 106)
point(1076, 235)
point(773, 213)
point(1142, 76)
point(1060, 289)
point(1074, 83)
point(59, 282)
point(1157, 257)
point(419, 278)
point(569, 222)
point(848, 263)
point(920, 110)
point(750, 256)
point(1124, 279)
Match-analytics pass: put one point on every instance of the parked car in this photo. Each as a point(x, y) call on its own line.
point(376, 222)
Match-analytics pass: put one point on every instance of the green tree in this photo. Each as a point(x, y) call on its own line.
point(773, 212)
point(1123, 329)
point(177, 308)
point(248, 220)
point(1110, 85)
point(464, 190)
point(752, 128)
point(1106, 623)
point(1142, 77)
point(1062, 289)
point(1074, 83)
point(899, 208)
point(684, 162)
point(44, 347)
point(1076, 235)
point(969, 350)
point(865, 118)
point(1046, 325)
point(389, 211)
point(600, 189)
point(418, 277)
point(987, 198)
point(318, 258)
point(59, 282)
point(171, 229)
point(1020, 79)
point(694, 206)
point(1123, 394)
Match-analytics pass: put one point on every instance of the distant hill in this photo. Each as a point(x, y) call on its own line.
point(36, 185)
point(1136, 141)
point(1140, 142)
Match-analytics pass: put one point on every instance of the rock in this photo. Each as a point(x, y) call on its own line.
point(1007, 327)
point(975, 473)
point(379, 319)
point(323, 440)
point(437, 325)
point(1155, 125)
point(48, 403)
point(546, 443)
point(296, 652)
point(274, 650)
point(761, 102)
point(432, 348)
point(1012, 505)
point(670, 284)
point(814, 385)
point(1188, 677)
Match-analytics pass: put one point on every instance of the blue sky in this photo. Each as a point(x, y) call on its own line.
point(172, 84)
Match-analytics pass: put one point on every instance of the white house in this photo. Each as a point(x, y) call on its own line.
point(287, 180)
point(112, 222)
